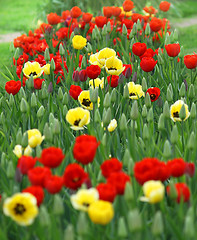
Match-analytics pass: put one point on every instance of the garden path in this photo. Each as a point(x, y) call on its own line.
point(186, 22)
point(9, 37)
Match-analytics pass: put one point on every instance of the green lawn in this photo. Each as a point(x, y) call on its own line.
point(187, 8)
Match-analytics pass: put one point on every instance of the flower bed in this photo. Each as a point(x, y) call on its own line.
point(98, 129)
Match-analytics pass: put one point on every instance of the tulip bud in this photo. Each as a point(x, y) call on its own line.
point(94, 34)
point(145, 133)
point(167, 39)
point(19, 136)
point(44, 93)
point(52, 64)
point(38, 151)
point(72, 36)
point(109, 27)
point(193, 111)
point(126, 157)
point(128, 193)
point(47, 132)
point(144, 84)
point(2, 118)
point(113, 95)
point(104, 140)
point(166, 110)
point(160, 59)
point(107, 117)
point(3, 160)
point(33, 100)
point(161, 123)
point(147, 101)
point(44, 217)
point(167, 149)
point(144, 111)
point(23, 106)
point(50, 88)
point(107, 100)
point(124, 30)
point(58, 206)
point(132, 40)
point(150, 116)
point(182, 90)
point(134, 220)
point(121, 78)
point(139, 26)
point(122, 230)
point(75, 76)
point(192, 142)
point(134, 111)
point(182, 113)
point(11, 101)
point(157, 226)
point(69, 233)
point(126, 92)
point(189, 227)
point(130, 166)
point(147, 30)
point(82, 225)
point(46, 55)
point(51, 118)
point(123, 122)
point(174, 135)
point(104, 30)
point(60, 94)
point(173, 192)
point(61, 50)
point(65, 110)
point(128, 73)
point(93, 95)
point(24, 141)
point(169, 95)
point(40, 112)
point(89, 48)
point(10, 170)
point(65, 99)
point(191, 91)
point(16, 54)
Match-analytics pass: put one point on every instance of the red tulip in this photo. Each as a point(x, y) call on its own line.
point(182, 191)
point(139, 48)
point(127, 5)
point(12, 87)
point(156, 24)
point(93, 71)
point(100, 21)
point(107, 12)
point(154, 93)
point(53, 18)
point(87, 17)
point(75, 12)
point(164, 6)
point(75, 91)
point(37, 191)
point(173, 50)
point(147, 64)
point(190, 61)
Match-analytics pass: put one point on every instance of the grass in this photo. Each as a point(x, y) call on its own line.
point(187, 8)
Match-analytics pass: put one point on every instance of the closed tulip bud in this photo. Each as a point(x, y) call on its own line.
point(38, 151)
point(107, 100)
point(128, 193)
point(113, 95)
point(65, 110)
point(107, 117)
point(30, 83)
point(109, 27)
point(52, 64)
point(161, 122)
point(44, 93)
point(51, 118)
point(126, 92)
point(65, 99)
point(40, 112)
point(167, 149)
point(132, 41)
point(126, 157)
point(144, 111)
point(134, 111)
point(23, 106)
point(2, 118)
point(72, 36)
point(145, 132)
point(56, 126)
point(22, 93)
point(157, 226)
point(44, 217)
point(182, 90)
point(166, 110)
point(147, 101)
point(83, 62)
point(192, 141)
point(11, 101)
point(69, 233)
point(130, 166)
point(61, 50)
point(160, 59)
point(19, 136)
point(169, 95)
point(97, 117)
point(139, 26)
point(175, 35)
point(122, 230)
point(58, 206)
point(93, 95)
point(89, 47)
point(10, 170)
point(147, 30)
point(131, 36)
point(174, 135)
point(104, 30)
point(173, 192)
point(94, 34)
point(46, 55)
point(17, 53)
point(124, 30)
point(123, 122)
point(3, 160)
point(189, 227)
point(150, 116)
point(144, 85)
point(141, 143)
point(182, 113)
point(134, 220)
point(191, 91)
point(24, 141)
point(104, 140)
point(167, 39)
point(33, 100)
point(75, 76)
point(47, 132)
point(82, 224)
point(12, 48)
point(60, 94)
point(193, 111)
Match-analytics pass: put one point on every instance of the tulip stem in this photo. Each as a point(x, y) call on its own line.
point(182, 128)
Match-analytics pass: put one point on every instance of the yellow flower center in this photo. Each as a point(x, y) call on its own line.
point(19, 209)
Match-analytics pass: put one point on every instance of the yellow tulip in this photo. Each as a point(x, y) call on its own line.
point(96, 83)
point(79, 42)
point(32, 69)
point(135, 90)
point(104, 54)
point(112, 125)
point(175, 110)
point(84, 100)
point(114, 66)
point(46, 69)
point(34, 138)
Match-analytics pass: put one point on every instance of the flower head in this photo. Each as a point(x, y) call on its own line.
point(175, 110)
point(94, 60)
point(153, 191)
point(84, 100)
point(13, 87)
point(112, 125)
point(164, 6)
point(34, 137)
point(104, 54)
point(79, 42)
point(135, 90)
point(114, 66)
point(22, 208)
point(96, 83)
point(46, 69)
point(182, 191)
point(93, 71)
point(78, 118)
point(84, 198)
point(32, 69)
point(101, 212)
point(173, 50)
point(154, 93)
